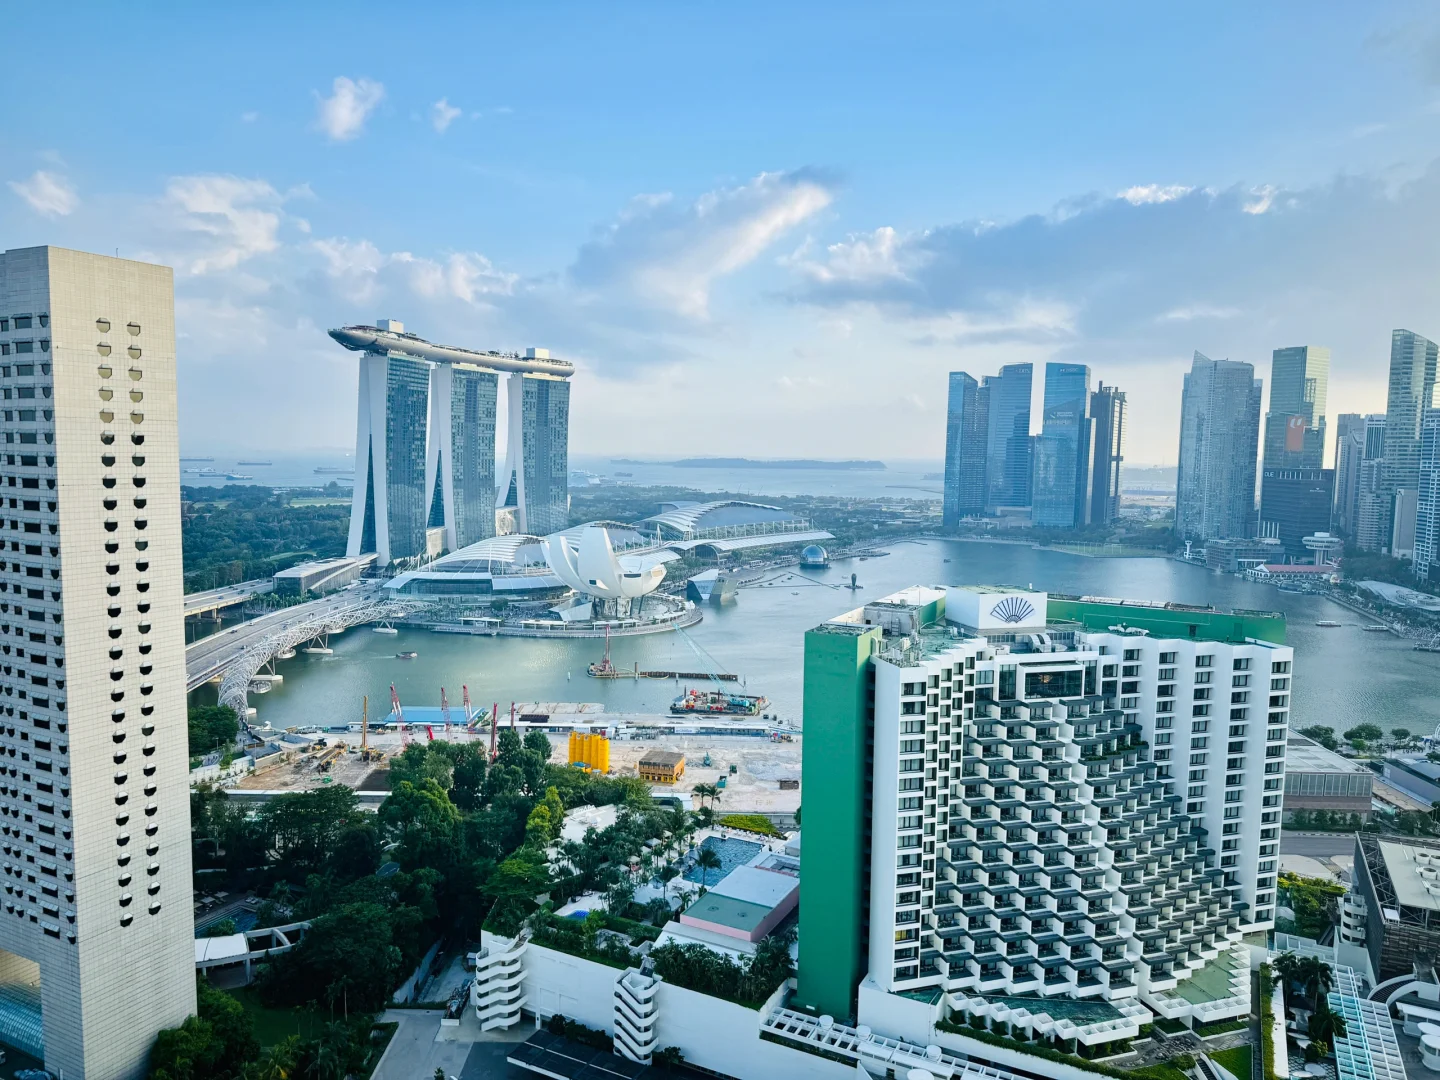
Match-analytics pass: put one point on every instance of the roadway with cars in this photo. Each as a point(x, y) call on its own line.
point(210, 656)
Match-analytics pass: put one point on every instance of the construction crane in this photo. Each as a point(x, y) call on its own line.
point(399, 716)
point(365, 728)
point(494, 726)
point(465, 705)
point(445, 712)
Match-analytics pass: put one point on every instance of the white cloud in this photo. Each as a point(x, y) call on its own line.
point(443, 114)
point(47, 193)
point(466, 276)
point(864, 257)
point(668, 256)
point(221, 221)
point(249, 117)
point(1153, 193)
point(344, 112)
point(1198, 311)
point(1263, 198)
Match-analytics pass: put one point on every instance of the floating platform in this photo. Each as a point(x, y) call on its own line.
point(600, 671)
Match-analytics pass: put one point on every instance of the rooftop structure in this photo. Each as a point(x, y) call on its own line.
point(1320, 779)
point(1397, 883)
point(320, 576)
point(1165, 619)
point(661, 766)
point(747, 903)
point(728, 525)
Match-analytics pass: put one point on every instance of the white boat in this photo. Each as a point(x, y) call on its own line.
point(384, 630)
point(1327, 623)
point(318, 650)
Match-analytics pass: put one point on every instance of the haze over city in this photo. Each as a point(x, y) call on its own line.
point(791, 223)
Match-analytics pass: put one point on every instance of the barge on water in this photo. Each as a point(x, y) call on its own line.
point(718, 703)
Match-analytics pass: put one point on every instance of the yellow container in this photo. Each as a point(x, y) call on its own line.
point(591, 751)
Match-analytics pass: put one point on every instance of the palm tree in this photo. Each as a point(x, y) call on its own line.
point(278, 1062)
point(705, 791)
point(707, 860)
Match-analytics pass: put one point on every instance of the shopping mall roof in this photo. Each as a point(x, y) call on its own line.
point(690, 519)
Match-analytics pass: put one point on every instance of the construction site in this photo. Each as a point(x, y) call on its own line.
point(753, 762)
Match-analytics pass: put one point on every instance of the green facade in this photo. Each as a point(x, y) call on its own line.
point(836, 749)
point(1202, 624)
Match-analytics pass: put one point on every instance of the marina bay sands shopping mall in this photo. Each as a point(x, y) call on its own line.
point(430, 506)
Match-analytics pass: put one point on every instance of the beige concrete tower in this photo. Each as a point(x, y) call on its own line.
point(94, 801)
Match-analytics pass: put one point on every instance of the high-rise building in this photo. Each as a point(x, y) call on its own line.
point(1017, 799)
point(1107, 409)
point(1219, 441)
point(1062, 467)
point(1007, 462)
point(967, 419)
point(461, 465)
point(96, 930)
point(1412, 384)
point(1349, 450)
point(1426, 554)
point(1372, 505)
point(537, 459)
point(425, 443)
point(1296, 490)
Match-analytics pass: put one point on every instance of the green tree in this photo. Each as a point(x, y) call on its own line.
point(467, 776)
point(537, 742)
point(348, 954)
point(1325, 736)
point(214, 1044)
point(212, 727)
point(421, 819)
point(513, 886)
point(707, 860)
point(1361, 734)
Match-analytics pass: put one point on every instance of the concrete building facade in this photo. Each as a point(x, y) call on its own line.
point(96, 847)
point(1349, 450)
point(1107, 410)
point(1219, 441)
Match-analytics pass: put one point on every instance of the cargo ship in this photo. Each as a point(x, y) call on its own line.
point(718, 702)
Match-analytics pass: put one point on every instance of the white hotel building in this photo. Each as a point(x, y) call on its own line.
point(1060, 811)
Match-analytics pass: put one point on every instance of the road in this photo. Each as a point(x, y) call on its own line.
point(208, 657)
point(419, 1048)
point(1317, 845)
point(214, 599)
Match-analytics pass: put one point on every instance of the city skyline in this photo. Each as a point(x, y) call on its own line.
point(681, 250)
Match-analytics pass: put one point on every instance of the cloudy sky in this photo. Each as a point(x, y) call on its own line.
point(757, 229)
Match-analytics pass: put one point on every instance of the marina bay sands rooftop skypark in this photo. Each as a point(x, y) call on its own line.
point(388, 335)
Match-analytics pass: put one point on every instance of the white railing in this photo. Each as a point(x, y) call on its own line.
point(497, 992)
point(636, 1010)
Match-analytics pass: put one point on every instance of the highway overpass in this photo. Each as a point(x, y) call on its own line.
point(214, 599)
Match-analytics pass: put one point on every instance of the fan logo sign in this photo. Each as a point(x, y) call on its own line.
point(1012, 609)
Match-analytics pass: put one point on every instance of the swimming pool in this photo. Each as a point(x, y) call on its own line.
point(732, 853)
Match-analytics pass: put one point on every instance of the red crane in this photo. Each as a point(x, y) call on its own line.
point(494, 727)
point(399, 716)
point(465, 705)
point(445, 712)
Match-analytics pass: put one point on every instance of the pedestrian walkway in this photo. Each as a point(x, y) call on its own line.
point(421, 1045)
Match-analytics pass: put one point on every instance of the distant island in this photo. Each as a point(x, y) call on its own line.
point(752, 463)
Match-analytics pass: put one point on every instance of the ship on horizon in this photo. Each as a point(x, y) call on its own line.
point(254, 463)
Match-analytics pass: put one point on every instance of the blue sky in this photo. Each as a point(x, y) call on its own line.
point(786, 221)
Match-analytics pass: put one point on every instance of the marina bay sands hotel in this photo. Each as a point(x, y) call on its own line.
point(425, 444)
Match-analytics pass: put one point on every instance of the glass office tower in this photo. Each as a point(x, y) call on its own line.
point(1060, 489)
point(541, 487)
point(1007, 459)
point(966, 448)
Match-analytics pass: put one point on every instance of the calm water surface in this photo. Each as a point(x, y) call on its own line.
point(1343, 676)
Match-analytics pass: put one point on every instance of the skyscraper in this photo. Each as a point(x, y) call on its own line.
point(1296, 490)
point(536, 476)
point(97, 906)
point(1219, 440)
point(1107, 409)
point(461, 465)
point(967, 418)
point(1372, 506)
point(1007, 459)
point(1426, 554)
point(425, 443)
point(1349, 450)
point(952, 854)
point(1062, 468)
point(1412, 384)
